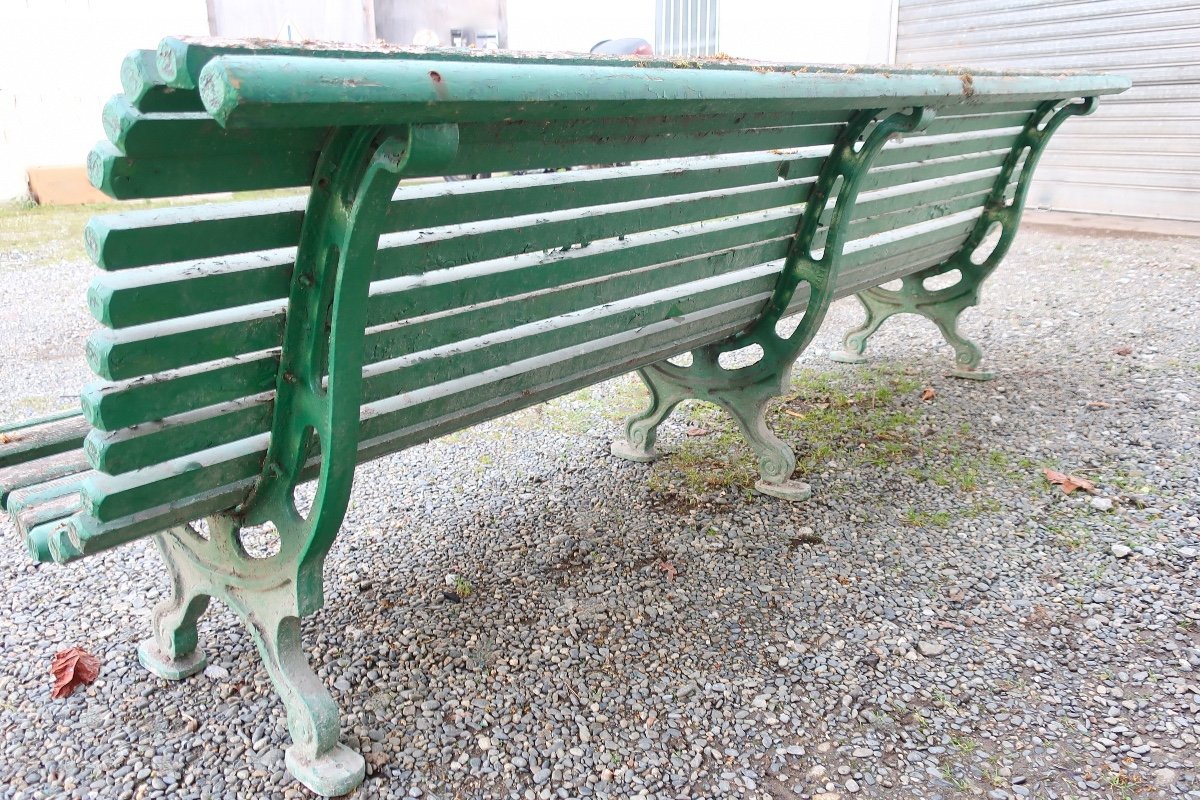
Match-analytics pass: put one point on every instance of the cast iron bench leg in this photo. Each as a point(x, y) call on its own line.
point(265, 594)
point(747, 404)
point(942, 307)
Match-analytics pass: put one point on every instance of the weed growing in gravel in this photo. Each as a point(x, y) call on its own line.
point(963, 744)
point(926, 519)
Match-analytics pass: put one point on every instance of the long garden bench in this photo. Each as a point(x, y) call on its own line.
point(249, 346)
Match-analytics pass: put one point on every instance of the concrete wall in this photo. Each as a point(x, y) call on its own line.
point(342, 21)
point(60, 61)
point(849, 31)
point(398, 21)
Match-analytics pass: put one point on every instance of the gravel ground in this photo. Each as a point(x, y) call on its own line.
point(937, 622)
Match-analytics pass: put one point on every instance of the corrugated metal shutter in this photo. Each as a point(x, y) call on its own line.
point(686, 27)
point(1139, 154)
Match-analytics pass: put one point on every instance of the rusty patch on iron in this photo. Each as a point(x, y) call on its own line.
point(439, 85)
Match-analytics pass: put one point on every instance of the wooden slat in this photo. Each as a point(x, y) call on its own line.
point(124, 178)
point(42, 438)
point(58, 508)
point(110, 406)
point(146, 89)
point(245, 91)
point(182, 135)
point(20, 499)
point(43, 470)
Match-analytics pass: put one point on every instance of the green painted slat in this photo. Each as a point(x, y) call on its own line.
point(180, 135)
point(96, 536)
point(592, 131)
point(918, 148)
point(181, 59)
point(30, 496)
point(535, 154)
point(167, 235)
point(118, 355)
point(51, 510)
point(146, 89)
point(109, 497)
point(120, 405)
point(245, 91)
point(913, 171)
point(47, 438)
point(958, 124)
point(154, 442)
point(44, 470)
point(125, 178)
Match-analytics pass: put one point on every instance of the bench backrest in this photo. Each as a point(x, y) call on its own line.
point(493, 294)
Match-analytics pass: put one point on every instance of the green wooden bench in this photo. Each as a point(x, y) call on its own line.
point(249, 346)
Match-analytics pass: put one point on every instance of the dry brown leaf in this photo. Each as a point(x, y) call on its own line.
point(72, 667)
point(4, 438)
point(1069, 483)
point(1098, 404)
point(1124, 351)
point(698, 431)
point(668, 569)
point(928, 394)
point(791, 413)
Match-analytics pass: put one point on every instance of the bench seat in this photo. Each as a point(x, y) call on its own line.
point(641, 210)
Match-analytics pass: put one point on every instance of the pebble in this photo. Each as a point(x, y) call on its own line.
point(930, 649)
point(1121, 551)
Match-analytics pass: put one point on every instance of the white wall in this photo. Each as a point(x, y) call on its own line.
point(332, 20)
point(804, 31)
point(575, 26)
point(60, 61)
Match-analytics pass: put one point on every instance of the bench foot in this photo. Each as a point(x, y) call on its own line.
point(792, 491)
point(621, 448)
point(167, 668)
point(972, 374)
point(172, 652)
point(642, 429)
point(334, 773)
point(847, 357)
